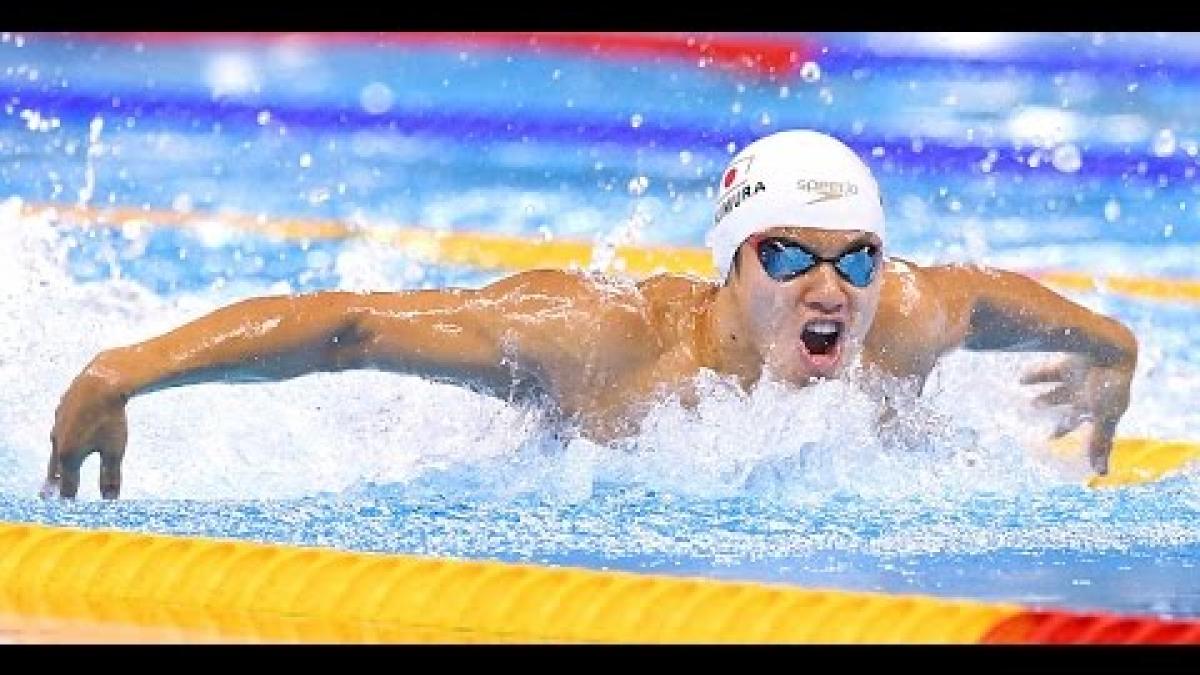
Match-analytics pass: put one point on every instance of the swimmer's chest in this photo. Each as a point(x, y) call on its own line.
point(624, 393)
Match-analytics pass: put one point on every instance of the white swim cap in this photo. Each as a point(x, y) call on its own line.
point(795, 178)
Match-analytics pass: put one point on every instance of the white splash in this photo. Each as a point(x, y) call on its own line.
point(94, 150)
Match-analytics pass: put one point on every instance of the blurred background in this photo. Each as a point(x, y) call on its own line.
point(147, 178)
point(986, 144)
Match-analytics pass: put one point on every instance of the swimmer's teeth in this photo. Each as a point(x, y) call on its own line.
point(823, 327)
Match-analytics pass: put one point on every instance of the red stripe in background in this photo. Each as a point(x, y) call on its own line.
point(1034, 627)
point(760, 54)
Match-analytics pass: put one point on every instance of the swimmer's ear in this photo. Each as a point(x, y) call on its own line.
point(737, 265)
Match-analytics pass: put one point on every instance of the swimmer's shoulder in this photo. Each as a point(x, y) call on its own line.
point(657, 291)
point(585, 298)
point(919, 309)
point(671, 296)
point(656, 311)
point(676, 288)
point(910, 283)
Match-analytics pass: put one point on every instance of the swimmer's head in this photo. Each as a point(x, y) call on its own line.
point(796, 178)
point(799, 219)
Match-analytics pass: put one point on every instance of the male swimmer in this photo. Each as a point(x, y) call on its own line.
point(806, 288)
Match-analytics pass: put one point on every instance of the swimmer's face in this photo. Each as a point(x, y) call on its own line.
point(811, 325)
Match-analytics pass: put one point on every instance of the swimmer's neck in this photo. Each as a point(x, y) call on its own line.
point(723, 344)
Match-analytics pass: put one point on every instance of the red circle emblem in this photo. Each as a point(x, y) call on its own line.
point(729, 176)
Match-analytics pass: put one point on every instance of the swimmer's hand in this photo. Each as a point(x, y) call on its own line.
point(1091, 392)
point(90, 418)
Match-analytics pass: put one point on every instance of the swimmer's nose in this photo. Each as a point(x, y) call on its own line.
point(824, 293)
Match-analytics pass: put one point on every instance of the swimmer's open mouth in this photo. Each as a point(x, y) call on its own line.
point(821, 337)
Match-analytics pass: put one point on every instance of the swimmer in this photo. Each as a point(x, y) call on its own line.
point(807, 287)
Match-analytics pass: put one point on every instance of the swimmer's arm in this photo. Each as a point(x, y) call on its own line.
point(990, 309)
point(464, 336)
point(500, 337)
point(996, 310)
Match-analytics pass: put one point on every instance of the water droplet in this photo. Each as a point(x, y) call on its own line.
point(306, 161)
point(989, 161)
point(810, 71)
point(1112, 210)
point(685, 157)
point(1164, 143)
point(635, 120)
point(376, 98)
point(637, 186)
point(264, 117)
point(1067, 158)
point(318, 196)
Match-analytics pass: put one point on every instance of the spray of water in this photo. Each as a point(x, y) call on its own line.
point(973, 432)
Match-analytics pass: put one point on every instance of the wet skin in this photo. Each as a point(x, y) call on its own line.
point(600, 350)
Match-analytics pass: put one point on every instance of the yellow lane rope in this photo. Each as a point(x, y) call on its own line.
point(504, 252)
point(110, 583)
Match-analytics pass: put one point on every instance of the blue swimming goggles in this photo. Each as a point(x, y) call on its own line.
point(784, 260)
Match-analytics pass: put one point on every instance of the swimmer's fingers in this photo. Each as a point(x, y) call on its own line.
point(69, 461)
point(1055, 371)
point(71, 445)
point(53, 473)
point(1069, 422)
point(112, 451)
point(1100, 445)
point(1061, 395)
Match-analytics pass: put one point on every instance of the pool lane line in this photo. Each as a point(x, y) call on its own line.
point(1177, 290)
point(80, 107)
point(753, 51)
point(512, 253)
point(758, 54)
point(57, 579)
point(1135, 460)
point(111, 585)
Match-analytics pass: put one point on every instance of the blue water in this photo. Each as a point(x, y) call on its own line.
point(1069, 152)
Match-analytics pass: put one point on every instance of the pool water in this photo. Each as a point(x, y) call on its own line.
point(1069, 152)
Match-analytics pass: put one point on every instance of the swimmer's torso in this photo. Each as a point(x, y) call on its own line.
point(609, 348)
